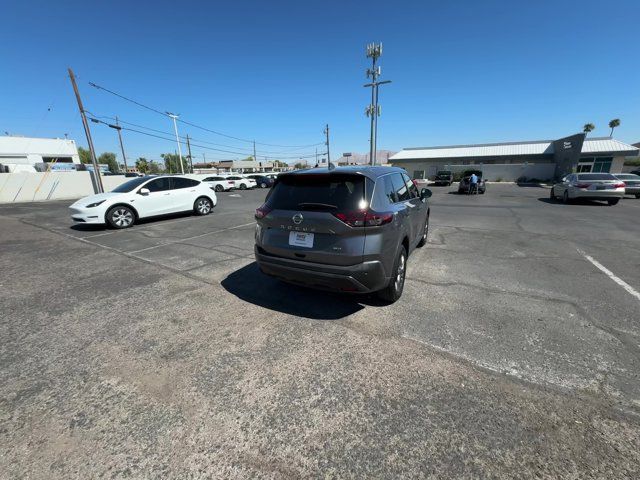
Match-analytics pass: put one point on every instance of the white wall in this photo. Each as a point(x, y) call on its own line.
point(36, 187)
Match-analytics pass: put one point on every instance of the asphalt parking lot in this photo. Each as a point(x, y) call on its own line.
point(162, 352)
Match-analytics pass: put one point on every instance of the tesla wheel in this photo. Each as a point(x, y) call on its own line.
point(219, 188)
point(425, 234)
point(120, 217)
point(613, 201)
point(243, 186)
point(203, 206)
point(393, 291)
point(565, 197)
point(552, 195)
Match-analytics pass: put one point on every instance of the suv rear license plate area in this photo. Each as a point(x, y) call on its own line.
point(299, 239)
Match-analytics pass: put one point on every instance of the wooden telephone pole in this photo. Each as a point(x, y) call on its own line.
point(94, 161)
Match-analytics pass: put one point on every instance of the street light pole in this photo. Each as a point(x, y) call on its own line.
point(175, 128)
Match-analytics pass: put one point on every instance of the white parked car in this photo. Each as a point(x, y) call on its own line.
point(144, 197)
point(219, 184)
point(241, 182)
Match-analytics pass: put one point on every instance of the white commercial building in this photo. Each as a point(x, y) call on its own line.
point(541, 159)
point(27, 154)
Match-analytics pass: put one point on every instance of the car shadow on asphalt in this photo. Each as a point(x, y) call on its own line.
point(582, 202)
point(251, 285)
point(84, 227)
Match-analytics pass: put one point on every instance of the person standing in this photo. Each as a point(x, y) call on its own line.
point(473, 183)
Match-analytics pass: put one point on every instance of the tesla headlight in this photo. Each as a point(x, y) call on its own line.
point(95, 204)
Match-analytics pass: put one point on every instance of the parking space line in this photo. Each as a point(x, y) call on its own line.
point(611, 275)
point(190, 238)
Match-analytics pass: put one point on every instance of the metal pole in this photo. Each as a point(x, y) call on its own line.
point(255, 158)
point(328, 155)
point(374, 118)
point(94, 161)
point(175, 128)
point(189, 148)
point(373, 113)
point(124, 157)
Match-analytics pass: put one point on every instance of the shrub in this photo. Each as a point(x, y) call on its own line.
point(499, 179)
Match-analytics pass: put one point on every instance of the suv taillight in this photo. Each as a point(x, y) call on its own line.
point(366, 218)
point(620, 185)
point(262, 212)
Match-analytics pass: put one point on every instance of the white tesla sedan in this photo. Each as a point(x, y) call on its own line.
point(145, 197)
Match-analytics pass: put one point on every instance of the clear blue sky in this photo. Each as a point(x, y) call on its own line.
point(277, 71)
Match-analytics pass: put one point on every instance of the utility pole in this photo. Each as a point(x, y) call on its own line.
point(255, 158)
point(189, 148)
point(94, 161)
point(326, 131)
point(175, 128)
point(118, 128)
point(317, 164)
point(373, 110)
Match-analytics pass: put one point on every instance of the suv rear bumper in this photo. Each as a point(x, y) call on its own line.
point(363, 277)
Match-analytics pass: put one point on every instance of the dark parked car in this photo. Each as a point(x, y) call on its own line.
point(444, 177)
point(262, 181)
point(465, 181)
point(350, 229)
point(635, 172)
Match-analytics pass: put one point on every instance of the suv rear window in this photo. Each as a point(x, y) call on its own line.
point(318, 192)
point(444, 172)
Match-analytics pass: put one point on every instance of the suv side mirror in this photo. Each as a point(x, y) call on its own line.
point(425, 193)
point(144, 191)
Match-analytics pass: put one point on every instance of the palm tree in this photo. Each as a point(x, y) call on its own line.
point(588, 127)
point(613, 124)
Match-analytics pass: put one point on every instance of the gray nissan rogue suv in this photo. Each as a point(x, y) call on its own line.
point(349, 229)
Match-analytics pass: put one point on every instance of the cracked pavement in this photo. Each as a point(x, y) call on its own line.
point(162, 352)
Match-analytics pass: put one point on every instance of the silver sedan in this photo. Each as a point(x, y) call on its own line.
point(589, 186)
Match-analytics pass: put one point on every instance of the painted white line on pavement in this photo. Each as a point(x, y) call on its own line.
point(191, 238)
point(611, 275)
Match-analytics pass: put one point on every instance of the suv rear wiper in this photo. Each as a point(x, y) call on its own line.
point(314, 204)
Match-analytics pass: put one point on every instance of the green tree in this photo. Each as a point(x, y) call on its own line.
point(84, 154)
point(142, 165)
point(613, 124)
point(154, 168)
point(299, 166)
point(109, 158)
point(172, 163)
point(588, 127)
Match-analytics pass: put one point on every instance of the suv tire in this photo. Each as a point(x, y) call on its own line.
point(423, 240)
point(565, 197)
point(202, 206)
point(392, 292)
point(219, 188)
point(120, 217)
point(613, 201)
point(552, 196)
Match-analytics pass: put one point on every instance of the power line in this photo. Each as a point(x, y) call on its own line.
point(249, 151)
point(195, 125)
point(96, 120)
